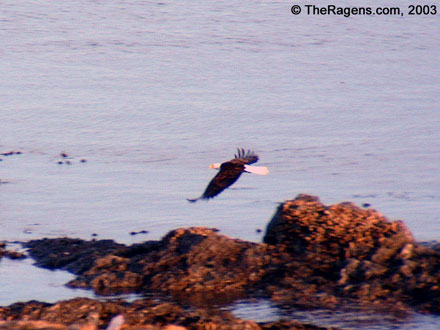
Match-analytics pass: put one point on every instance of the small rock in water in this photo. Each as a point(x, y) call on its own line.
point(116, 323)
point(68, 160)
point(10, 153)
point(132, 233)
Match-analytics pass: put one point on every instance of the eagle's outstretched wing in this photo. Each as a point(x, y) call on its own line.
point(247, 157)
point(229, 172)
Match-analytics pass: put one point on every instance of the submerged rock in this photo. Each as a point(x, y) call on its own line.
point(11, 153)
point(10, 254)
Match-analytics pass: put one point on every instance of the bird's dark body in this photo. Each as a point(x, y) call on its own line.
point(229, 172)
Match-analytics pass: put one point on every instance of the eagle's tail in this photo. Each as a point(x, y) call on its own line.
point(261, 170)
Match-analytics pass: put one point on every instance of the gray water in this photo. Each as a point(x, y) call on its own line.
point(349, 319)
point(151, 93)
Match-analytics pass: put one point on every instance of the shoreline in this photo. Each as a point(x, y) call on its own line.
point(312, 256)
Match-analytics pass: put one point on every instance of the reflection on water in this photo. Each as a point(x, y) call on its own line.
point(26, 282)
point(347, 319)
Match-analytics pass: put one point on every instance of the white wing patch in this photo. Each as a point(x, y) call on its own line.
point(260, 170)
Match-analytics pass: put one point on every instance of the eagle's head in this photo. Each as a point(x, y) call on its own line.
point(215, 166)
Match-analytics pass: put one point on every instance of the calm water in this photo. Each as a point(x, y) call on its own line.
point(264, 311)
point(151, 93)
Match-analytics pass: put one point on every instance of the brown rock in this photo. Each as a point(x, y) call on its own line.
point(343, 230)
point(4, 252)
point(313, 256)
point(89, 314)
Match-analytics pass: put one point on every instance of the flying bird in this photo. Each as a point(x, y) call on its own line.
point(230, 171)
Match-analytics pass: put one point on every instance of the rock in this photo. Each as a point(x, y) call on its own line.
point(10, 254)
point(74, 255)
point(194, 263)
point(31, 325)
point(89, 314)
point(289, 324)
point(10, 153)
point(343, 230)
point(313, 255)
point(116, 322)
point(377, 261)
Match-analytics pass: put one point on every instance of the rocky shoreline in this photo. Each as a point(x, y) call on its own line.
point(312, 256)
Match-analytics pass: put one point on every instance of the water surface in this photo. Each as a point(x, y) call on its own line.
point(151, 93)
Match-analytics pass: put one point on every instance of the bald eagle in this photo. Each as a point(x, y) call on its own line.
point(230, 171)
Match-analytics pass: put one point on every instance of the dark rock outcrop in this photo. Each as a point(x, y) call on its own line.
point(89, 314)
point(342, 231)
point(374, 260)
point(313, 256)
point(71, 254)
point(196, 264)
